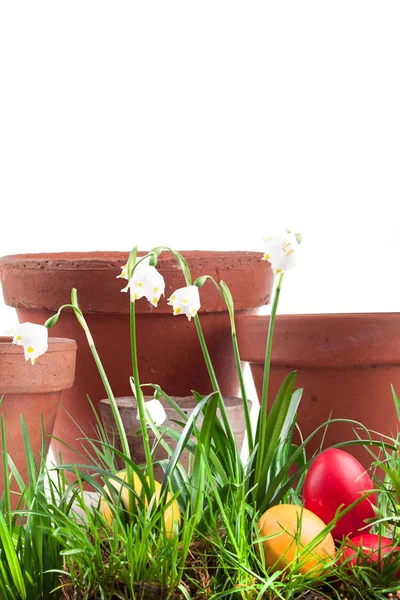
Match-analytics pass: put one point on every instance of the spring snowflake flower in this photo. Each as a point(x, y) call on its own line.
point(34, 339)
point(124, 272)
point(156, 411)
point(280, 251)
point(186, 301)
point(146, 282)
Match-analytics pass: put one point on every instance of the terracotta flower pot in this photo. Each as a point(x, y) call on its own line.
point(345, 363)
point(32, 391)
point(127, 407)
point(168, 347)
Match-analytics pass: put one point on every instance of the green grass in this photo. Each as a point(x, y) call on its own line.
point(29, 550)
point(49, 550)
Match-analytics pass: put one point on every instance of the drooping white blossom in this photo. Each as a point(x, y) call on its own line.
point(34, 339)
point(124, 272)
point(186, 301)
point(146, 282)
point(155, 409)
point(280, 251)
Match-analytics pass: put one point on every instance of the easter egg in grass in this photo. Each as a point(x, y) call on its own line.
point(285, 531)
point(337, 479)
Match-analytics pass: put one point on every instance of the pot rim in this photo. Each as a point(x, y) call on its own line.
point(326, 340)
point(56, 344)
point(98, 260)
point(128, 401)
point(53, 371)
point(44, 281)
point(314, 316)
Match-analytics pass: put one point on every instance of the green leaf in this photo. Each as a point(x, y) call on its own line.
point(6, 592)
point(178, 483)
point(396, 402)
point(181, 445)
point(6, 479)
point(32, 471)
point(290, 415)
point(221, 443)
point(12, 558)
point(191, 447)
point(202, 454)
point(275, 426)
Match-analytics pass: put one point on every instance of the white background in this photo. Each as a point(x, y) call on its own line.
point(207, 125)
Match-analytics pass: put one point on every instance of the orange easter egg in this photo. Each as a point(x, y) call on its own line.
point(287, 530)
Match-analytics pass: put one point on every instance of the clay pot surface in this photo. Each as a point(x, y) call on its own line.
point(169, 352)
point(30, 280)
point(32, 391)
point(127, 407)
point(346, 364)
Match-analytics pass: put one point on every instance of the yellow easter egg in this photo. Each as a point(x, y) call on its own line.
point(171, 514)
point(289, 529)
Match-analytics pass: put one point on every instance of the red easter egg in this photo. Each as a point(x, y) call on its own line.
point(336, 478)
point(369, 549)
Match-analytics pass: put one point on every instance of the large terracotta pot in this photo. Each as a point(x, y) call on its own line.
point(345, 363)
point(32, 391)
point(168, 347)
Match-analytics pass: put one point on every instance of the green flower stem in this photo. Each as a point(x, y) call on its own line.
point(268, 351)
point(188, 280)
point(227, 296)
point(106, 383)
point(110, 395)
point(140, 399)
point(262, 420)
point(250, 440)
point(117, 417)
point(214, 381)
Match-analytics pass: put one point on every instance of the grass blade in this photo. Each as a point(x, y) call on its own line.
point(276, 423)
point(12, 558)
point(187, 430)
point(202, 454)
point(6, 504)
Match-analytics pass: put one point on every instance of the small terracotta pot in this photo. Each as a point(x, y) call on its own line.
point(127, 407)
point(32, 391)
point(168, 347)
point(345, 363)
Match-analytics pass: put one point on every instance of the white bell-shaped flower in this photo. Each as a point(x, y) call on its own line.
point(186, 301)
point(155, 409)
point(280, 251)
point(146, 282)
point(34, 339)
point(124, 272)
